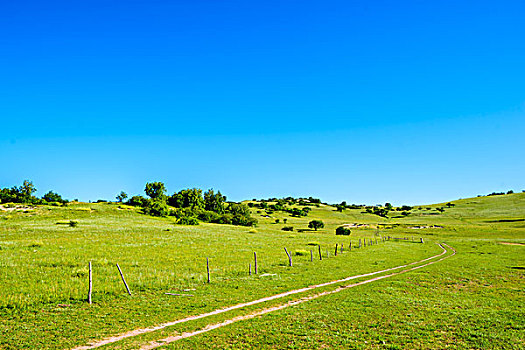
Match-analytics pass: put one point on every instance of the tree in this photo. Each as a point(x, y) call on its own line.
point(188, 198)
point(388, 206)
point(138, 201)
point(316, 224)
point(122, 196)
point(53, 197)
point(156, 191)
point(214, 201)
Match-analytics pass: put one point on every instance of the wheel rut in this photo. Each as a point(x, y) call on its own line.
point(209, 327)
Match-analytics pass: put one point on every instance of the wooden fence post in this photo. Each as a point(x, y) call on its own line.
point(255, 258)
point(123, 279)
point(289, 257)
point(208, 268)
point(350, 246)
point(250, 269)
point(341, 247)
point(90, 283)
point(335, 249)
point(320, 255)
point(311, 255)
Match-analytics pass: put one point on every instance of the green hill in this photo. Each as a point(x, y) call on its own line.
point(472, 300)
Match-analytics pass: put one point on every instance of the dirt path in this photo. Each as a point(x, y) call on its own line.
point(171, 339)
point(258, 301)
point(511, 243)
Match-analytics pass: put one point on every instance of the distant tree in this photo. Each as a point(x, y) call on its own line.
point(122, 196)
point(156, 191)
point(316, 224)
point(215, 201)
point(441, 209)
point(340, 207)
point(53, 197)
point(450, 205)
point(190, 198)
point(510, 192)
point(138, 201)
point(388, 206)
point(22, 194)
point(285, 220)
point(276, 221)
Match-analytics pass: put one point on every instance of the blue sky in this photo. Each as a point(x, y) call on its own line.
point(406, 102)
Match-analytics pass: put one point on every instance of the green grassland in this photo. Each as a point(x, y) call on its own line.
point(472, 300)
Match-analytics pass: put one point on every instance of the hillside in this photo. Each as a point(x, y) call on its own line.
point(44, 259)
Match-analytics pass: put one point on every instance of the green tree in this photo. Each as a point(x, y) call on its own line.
point(214, 201)
point(156, 191)
point(53, 197)
point(316, 224)
point(122, 196)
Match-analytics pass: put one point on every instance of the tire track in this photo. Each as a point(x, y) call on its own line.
point(137, 332)
point(171, 339)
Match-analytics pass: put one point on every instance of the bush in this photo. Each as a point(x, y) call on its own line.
point(344, 231)
point(208, 216)
point(73, 223)
point(187, 220)
point(137, 201)
point(287, 228)
point(312, 243)
point(244, 220)
point(156, 208)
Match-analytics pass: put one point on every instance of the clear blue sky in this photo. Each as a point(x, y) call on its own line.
point(368, 102)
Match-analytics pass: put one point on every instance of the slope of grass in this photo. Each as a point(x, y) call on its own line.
point(43, 277)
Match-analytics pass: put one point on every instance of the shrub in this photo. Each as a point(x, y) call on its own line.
point(208, 216)
point(312, 243)
point(244, 220)
point(156, 208)
point(344, 231)
point(73, 223)
point(137, 201)
point(287, 228)
point(187, 220)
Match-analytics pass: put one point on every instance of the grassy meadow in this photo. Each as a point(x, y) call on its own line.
point(473, 300)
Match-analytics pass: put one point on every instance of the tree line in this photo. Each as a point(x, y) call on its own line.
point(191, 205)
point(24, 195)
